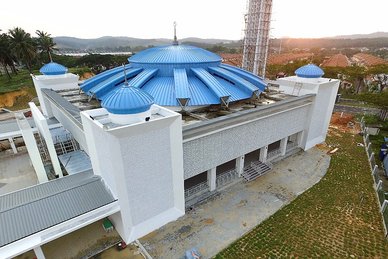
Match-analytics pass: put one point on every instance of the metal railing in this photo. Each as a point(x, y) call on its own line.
point(274, 153)
point(196, 190)
point(226, 178)
point(291, 145)
point(378, 184)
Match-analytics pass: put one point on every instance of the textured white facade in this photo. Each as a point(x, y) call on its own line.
point(319, 118)
point(143, 165)
point(266, 125)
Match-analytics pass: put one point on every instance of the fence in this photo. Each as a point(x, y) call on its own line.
point(196, 190)
point(378, 183)
point(226, 178)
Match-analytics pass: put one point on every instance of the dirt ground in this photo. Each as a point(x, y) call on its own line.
point(86, 75)
point(8, 99)
point(344, 122)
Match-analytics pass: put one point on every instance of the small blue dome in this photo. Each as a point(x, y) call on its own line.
point(309, 71)
point(127, 100)
point(53, 68)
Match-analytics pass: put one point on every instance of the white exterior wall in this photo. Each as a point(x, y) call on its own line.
point(319, 117)
point(55, 82)
point(142, 164)
point(224, 143)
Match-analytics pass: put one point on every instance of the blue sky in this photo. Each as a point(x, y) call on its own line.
point(195, 18)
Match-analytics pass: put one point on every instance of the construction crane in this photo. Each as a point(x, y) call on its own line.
point(256, 38)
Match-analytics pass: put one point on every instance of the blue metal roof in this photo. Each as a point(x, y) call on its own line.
point(174, 54)
point(127, 100)
point(53, 68)
point(309, 71)
point(179, 75)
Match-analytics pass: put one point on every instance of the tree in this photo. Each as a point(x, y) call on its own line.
point(379, 99)
point(22, 45)
point(6, 57)
point(358, 74)
point(45, 43)
point(379, 75)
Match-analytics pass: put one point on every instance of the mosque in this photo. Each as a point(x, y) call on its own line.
point(140, 143)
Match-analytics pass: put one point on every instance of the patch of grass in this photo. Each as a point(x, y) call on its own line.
point(338, 217)
point(17, 82)
point(79, 70)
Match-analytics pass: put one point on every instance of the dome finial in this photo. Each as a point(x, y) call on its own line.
point(125, 76)
point(175, 42)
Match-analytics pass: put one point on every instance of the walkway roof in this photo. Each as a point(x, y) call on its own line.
point(28, 211)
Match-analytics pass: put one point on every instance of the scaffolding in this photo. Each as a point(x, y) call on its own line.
point(256, 38)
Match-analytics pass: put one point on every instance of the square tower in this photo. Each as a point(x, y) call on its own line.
point(142, 163)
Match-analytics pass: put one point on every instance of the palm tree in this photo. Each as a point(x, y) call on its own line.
point(22, 46)
point(6, 57)
point(45, 43)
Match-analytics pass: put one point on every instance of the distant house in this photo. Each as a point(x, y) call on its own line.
point(283, 59)
point(338, 60)
point(367, 60)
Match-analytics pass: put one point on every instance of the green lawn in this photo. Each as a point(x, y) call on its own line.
point(21, 80)
point(338, 217)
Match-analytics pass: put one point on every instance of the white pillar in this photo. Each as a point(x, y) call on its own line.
point(283, 145)
point(263, 154)
point(211, 179)
point(42, 125)
point(240, 165)
point(14, 149)
point(32, 148)
point(39, 253)
point(299, 138)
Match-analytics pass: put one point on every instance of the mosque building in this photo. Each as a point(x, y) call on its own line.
point(142, 142)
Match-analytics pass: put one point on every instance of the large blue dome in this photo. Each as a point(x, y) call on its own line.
point(175, 54)
point(179, 75)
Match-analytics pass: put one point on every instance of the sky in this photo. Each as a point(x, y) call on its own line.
point(221, 19)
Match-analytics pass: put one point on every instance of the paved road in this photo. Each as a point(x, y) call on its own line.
point(224, 218)
point(354, 110)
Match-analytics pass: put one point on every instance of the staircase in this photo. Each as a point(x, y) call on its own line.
point(255, 169)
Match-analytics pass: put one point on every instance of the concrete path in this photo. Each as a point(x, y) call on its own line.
point(224, 218)
point(16, 172)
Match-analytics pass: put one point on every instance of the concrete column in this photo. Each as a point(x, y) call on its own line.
point(283, 145)
point(299, 138)
point(42, 125)
point(39, 253)
point(32, 147)
point(211, 179)
point(240, 165)
point(263, 154)
point(14, 149)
